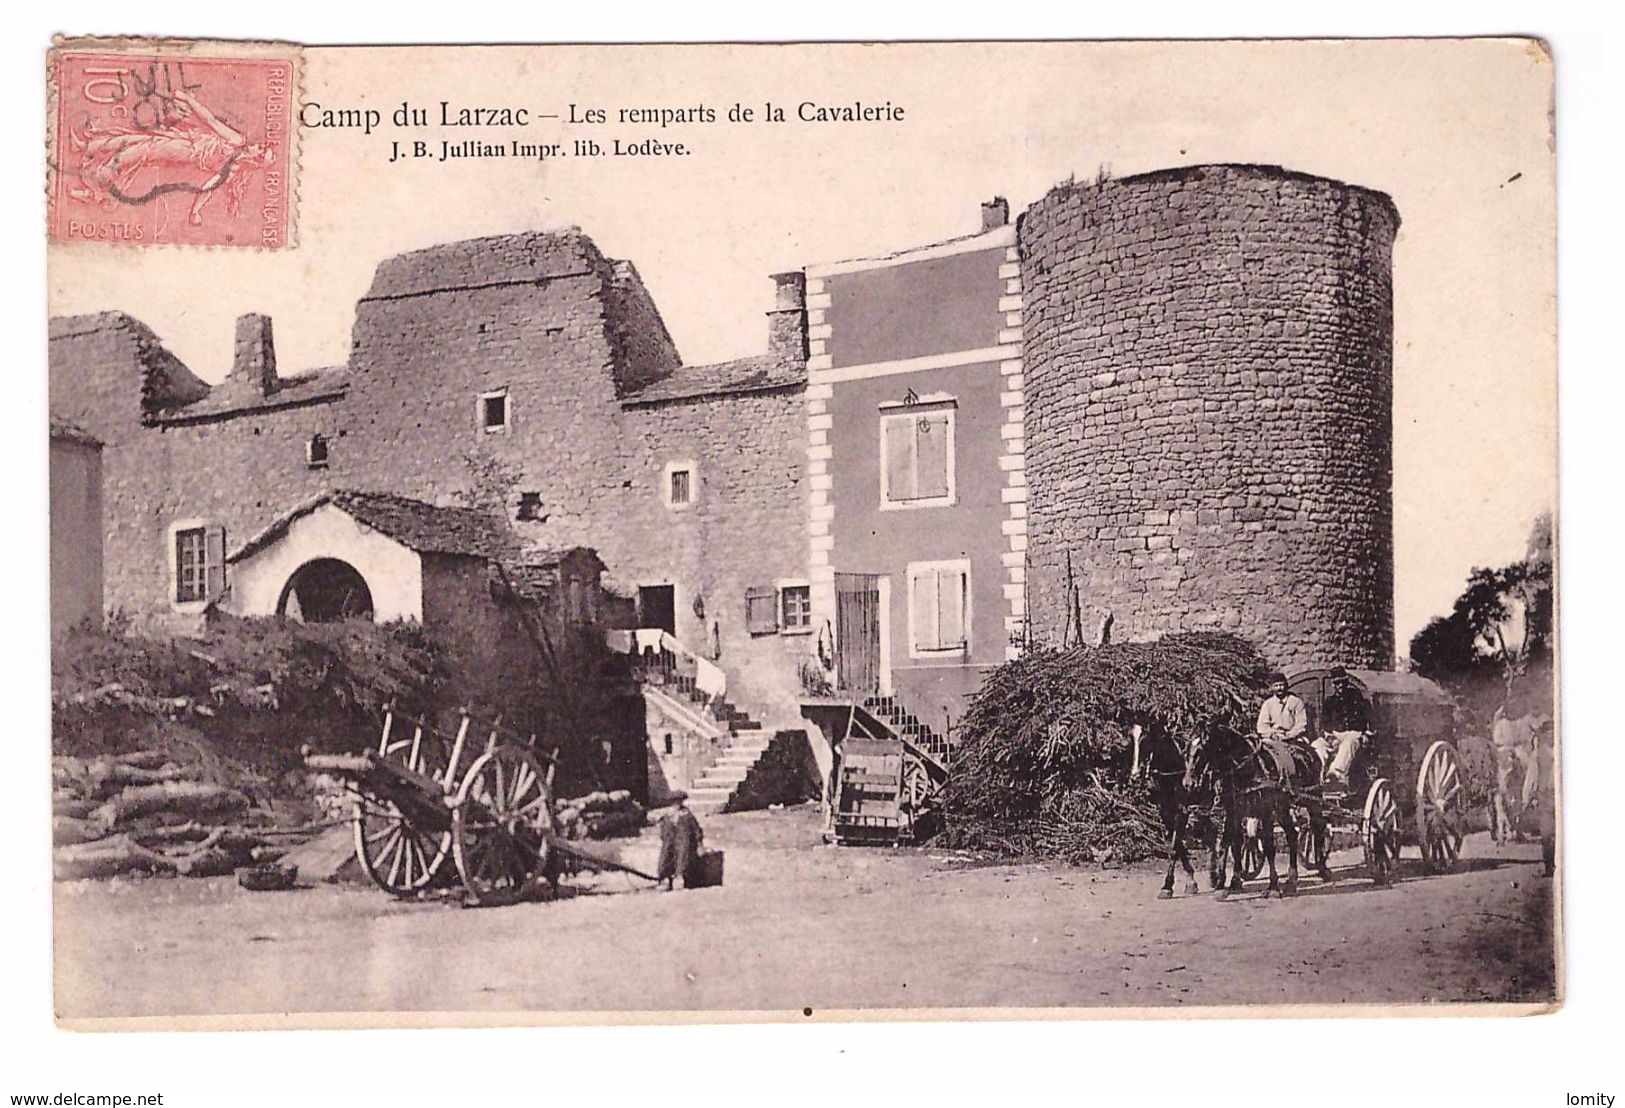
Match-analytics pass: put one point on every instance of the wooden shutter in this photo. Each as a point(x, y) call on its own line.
point(923, 611)
point(950, 608)
point(898, 448)
point(931, 452)
point(214, 561)
point(761, 611)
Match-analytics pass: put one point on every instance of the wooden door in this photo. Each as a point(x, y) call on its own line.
point(857, 633)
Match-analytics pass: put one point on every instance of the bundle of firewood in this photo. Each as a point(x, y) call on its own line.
point(142, 812)
point(600, 815)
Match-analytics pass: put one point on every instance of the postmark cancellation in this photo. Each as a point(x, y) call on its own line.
point(186, 144)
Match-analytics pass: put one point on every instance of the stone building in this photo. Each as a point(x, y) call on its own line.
point(76, 527)
point(1208, 371)
point(1152, 404)
point(525, 375)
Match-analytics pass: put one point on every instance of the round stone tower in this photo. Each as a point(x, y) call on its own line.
point(1208, 378)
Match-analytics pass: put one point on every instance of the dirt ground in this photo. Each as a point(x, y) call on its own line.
point(800, 925)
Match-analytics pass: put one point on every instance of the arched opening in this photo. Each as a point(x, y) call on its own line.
point(324, 591)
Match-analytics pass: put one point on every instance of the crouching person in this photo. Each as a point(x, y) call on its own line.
point(682, 844)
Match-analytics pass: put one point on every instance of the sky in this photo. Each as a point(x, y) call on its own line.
point(1456, 132)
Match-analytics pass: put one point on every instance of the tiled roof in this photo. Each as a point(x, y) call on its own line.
point(759, 373)
point(225, 399)
point(426, 528)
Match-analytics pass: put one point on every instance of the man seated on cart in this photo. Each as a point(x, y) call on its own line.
point(1345, 721)
point(1283, 722)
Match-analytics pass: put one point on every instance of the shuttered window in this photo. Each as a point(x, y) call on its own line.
point(917, 458)
point(939, 607)
point(200, 563)
point(680, 484)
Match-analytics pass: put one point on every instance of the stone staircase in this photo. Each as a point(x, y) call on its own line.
point(910, 727)
point(694, 690)
point(743, 745)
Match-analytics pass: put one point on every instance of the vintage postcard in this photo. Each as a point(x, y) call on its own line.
point(791, 532)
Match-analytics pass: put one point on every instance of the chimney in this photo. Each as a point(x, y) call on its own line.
point(995, 213)
point(787, 322)
point(254, 355)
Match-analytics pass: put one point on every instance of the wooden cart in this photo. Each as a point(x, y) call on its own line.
point(1407, 783)
point(885, 789)
point(485, 802)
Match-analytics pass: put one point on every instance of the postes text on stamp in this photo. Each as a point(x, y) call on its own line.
point(167, 149)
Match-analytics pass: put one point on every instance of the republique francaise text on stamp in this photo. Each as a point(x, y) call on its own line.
point(156, 148)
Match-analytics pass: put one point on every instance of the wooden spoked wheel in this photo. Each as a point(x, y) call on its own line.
point(401, 858)
point(919, 797)
point(1379, 831)
point(1441, 810)
point(501, 824)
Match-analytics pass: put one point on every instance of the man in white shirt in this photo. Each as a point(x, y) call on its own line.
point(1283, 715)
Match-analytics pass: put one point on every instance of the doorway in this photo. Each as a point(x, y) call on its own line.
point(325, 591)
point(857, 633)
point(657, 607)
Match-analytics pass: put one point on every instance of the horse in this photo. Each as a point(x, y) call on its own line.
point(1515, 742)
point(1177, 784)
point(1263, 790)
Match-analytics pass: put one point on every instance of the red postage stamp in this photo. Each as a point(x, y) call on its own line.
point(173, 149)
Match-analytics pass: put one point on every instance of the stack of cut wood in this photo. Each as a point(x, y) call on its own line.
point(600, 815)
point(141, 812)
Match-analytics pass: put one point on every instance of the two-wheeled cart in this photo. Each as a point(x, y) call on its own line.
point(485, 800)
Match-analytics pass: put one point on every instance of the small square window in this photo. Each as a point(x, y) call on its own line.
point(316, 452)
point(530, 506)
point(680, 485)
point(494, 411)
point(795, 608)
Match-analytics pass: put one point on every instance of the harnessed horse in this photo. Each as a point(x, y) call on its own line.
point(1178, 784)
point(1260, 791)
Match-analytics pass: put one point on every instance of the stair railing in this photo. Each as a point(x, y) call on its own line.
point(659, 658)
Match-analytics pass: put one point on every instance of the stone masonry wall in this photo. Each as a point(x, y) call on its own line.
point(747, 528)
point(544, 317)
point(1209, 410)
point(240, 472)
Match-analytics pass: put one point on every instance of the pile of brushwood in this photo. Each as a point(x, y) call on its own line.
point(181, 755)
point(145, 812)
point(256, 688)
point(1044, 751)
